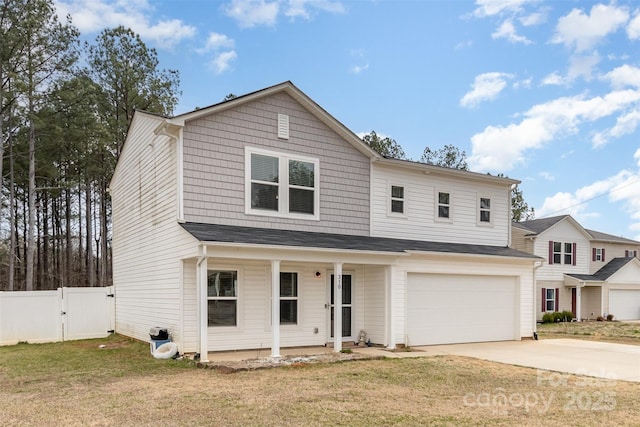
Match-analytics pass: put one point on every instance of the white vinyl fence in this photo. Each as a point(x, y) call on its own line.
point(60, 315)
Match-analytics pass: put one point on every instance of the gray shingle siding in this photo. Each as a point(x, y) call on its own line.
point(214, 167)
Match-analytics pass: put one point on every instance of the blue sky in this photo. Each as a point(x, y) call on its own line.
point(547, 92)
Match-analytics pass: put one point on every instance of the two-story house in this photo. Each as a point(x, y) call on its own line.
point(587, 272)
point(263, 222)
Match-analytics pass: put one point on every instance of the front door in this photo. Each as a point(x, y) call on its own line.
point(573, 302)
point(347, 311)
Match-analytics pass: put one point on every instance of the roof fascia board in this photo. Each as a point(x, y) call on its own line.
point(440, 170)
point(532, 258)
point(300, 253)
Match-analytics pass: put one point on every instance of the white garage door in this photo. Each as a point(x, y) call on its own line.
point(624, 304)
point(446, 309)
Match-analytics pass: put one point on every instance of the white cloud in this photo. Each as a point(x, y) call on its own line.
point(633, 29)
point(582, 32)
point(547, 176)
point(485, 87)
point(508, 31)
point(251, 13)
point(500, 148)
point(553, 79)
point(91, 16)
point(222, 61)
point(532, 19)
point(625, 124)
point(217, 41)
point(623, 76)
point(357, 69)
point(524, 84)
point(496, 7)
point(300, 8)
point(582, 66)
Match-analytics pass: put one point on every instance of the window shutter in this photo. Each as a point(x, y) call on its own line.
point(626, 253)
point(550, 251)
point(557, 299)
point(593, 254)
point(544, 299)
point(602, 255)
point(575, 253)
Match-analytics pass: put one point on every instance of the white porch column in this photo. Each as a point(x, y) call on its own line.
point(275, 308)
point(578, 303)
point(391, 278)
point(201, 278)
point(337, 307)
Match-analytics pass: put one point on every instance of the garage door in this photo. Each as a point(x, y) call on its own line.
point(624, 304)
point(446, 309)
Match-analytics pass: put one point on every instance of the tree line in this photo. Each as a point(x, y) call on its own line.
point(65, 107)
point(448, 156)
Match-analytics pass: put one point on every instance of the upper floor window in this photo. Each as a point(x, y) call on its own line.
point(598, 254)
point(279, 184)
point(288, 298)
point(485, 209)
point(397, 199)
point(222, 298)
point(562, 253)
point(444, 205)
point(631, 253)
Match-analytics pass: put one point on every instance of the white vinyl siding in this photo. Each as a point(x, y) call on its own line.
point(148, 242)
point(214, 167)
point(420, 221)
point(562, 232)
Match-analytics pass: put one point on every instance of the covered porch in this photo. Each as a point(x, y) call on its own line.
point(586, 297)
point(269, 298)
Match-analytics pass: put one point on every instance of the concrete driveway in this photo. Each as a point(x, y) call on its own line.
point(591, 358)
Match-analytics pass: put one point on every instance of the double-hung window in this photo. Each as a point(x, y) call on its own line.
point(222, 298)
point(557, 252)
point(444, 205)
point(485, 210)
point(564, 253)
point(278, 184)
point(288, 298)
point(568, 253)
point(397, 199)
point(550, 299)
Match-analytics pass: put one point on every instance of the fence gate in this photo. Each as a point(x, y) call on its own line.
point(60, 315)
point(86, 313)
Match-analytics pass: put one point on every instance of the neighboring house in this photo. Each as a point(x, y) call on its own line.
point(235, 225)
point(587, 272)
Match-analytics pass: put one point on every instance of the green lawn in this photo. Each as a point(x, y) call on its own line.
point(78, 383)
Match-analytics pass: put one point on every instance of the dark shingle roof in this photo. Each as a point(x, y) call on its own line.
point(608, 270)
point(604, 237)
point(268, 236)
point(537, 226)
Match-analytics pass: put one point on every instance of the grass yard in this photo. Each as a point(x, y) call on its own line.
point(78, 383)
point(620, 332)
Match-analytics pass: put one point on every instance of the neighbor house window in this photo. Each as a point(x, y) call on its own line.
point(485, 209)
point(281, 184)
point(631, 253)
point(288, 298)
point(397, 199)
point(550, 299)
point(568, 253)
point(564, 253)
point(598, 254)
point(444, 206)
point(222, 297)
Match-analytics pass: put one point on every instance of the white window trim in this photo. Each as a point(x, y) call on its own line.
point(491, 211)
point(546, 300)
point(390, 213)
point(239, 298)
point(565, 253)
point(283, 184)
point(297, 298)
point(598, 254)
point(437, 205)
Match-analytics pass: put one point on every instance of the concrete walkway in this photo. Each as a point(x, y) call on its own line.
point(580, 357)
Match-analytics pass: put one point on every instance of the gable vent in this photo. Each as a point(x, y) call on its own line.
point(283, 126)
